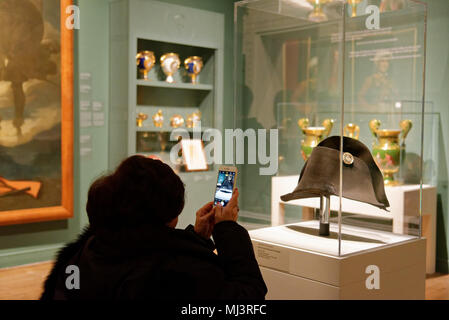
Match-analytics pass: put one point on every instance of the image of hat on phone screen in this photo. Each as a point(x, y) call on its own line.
point(225, 185)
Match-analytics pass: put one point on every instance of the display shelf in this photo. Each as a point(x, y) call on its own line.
point(176, 85)
point(177, 94)
point(163, 28)
point(168, 112)
point(303, 235)
point(154, 129)
point(160, 141)
point(196, 176)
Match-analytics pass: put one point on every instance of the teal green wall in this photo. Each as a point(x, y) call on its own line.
point(437, 90)
point(93, 55)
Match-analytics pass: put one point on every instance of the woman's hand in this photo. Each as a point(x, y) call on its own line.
point(230, 212)
point(204, 224)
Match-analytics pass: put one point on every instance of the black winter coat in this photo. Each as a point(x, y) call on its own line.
point(159, 263)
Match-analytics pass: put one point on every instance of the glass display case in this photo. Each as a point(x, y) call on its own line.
point(322, 75)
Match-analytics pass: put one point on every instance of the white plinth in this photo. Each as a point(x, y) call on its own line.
point(298, 265)
point(404, 204)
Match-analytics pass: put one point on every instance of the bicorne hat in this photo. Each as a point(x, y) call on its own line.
point(320, 176)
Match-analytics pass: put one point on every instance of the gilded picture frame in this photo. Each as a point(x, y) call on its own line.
point(52, 80)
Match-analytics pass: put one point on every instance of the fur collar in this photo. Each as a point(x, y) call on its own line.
point(63, 256)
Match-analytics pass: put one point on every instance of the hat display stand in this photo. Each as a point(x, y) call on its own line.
point(325, 212)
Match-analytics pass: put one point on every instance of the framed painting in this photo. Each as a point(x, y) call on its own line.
point(36, 111)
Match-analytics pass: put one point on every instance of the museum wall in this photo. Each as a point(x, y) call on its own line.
point(28, 243)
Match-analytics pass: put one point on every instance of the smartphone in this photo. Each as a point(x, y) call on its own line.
point(225, 185)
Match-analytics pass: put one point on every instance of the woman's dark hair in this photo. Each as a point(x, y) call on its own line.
point(140, 191)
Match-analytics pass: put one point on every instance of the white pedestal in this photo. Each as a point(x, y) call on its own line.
point(297, 265)
point(404, 204)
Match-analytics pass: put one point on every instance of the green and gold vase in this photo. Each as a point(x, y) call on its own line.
point(387, 148)
point(313, 135)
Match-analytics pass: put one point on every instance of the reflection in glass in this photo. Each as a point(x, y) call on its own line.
point(378, 89)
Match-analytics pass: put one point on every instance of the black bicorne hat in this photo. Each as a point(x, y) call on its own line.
point(320, 176)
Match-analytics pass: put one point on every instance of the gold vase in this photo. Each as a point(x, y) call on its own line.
point(193, 66)
point(193, 119)
point(158, 119)
point(176, 121)
point(313, 135)
point(317, 14)
point(351, 130)
point(145, 61)
point(388, 147)
point(170, 64)
point(141, 117)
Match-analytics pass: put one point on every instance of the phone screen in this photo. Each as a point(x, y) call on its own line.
point(225, 187)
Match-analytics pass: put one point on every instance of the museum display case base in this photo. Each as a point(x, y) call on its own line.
point(296, 263)
point(404, 208)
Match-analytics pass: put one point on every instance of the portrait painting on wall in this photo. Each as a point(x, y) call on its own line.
point(36, 111)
